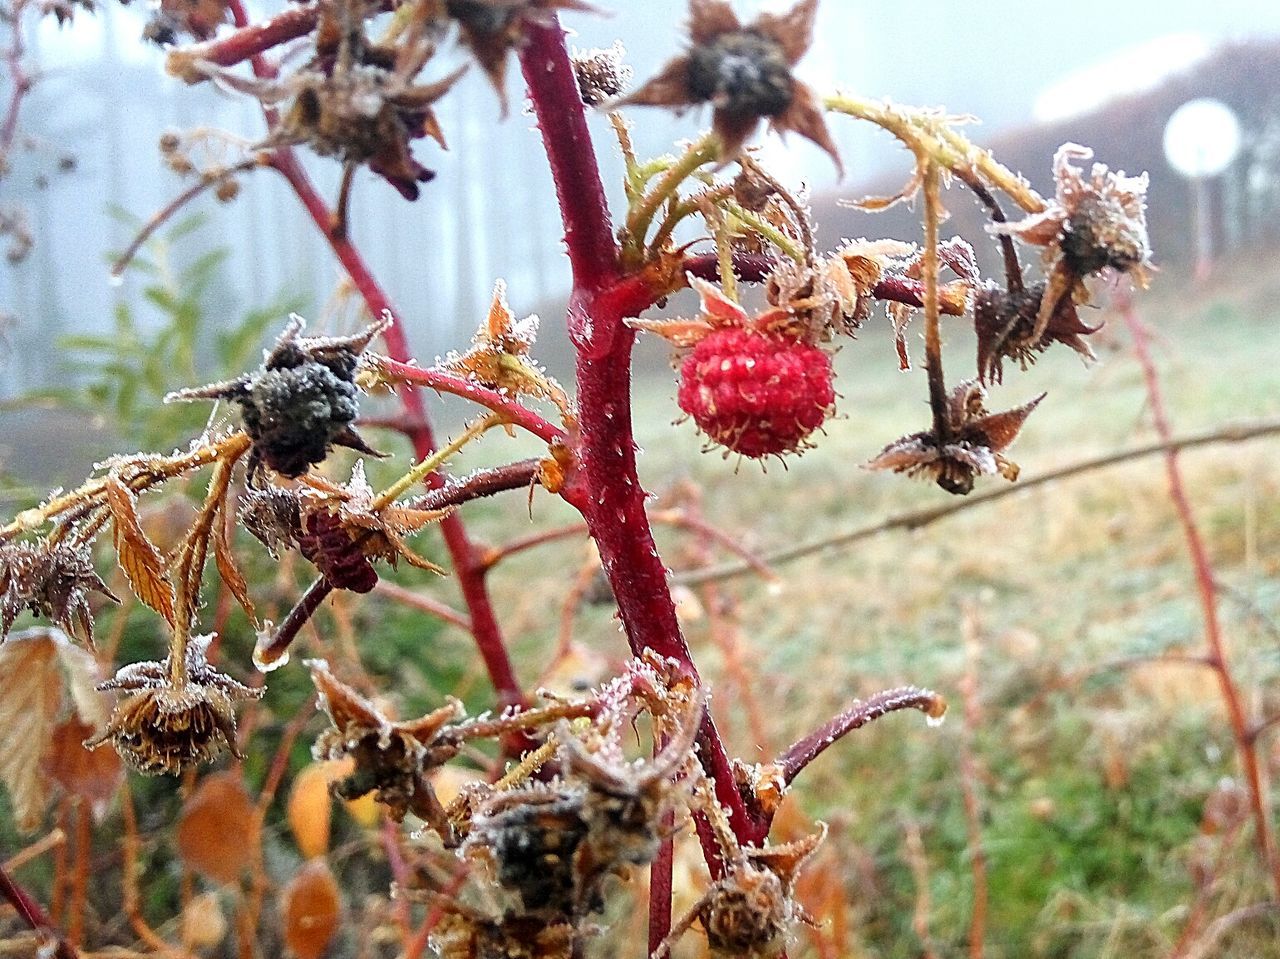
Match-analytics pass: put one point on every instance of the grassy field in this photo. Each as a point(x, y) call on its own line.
point(1092, 780)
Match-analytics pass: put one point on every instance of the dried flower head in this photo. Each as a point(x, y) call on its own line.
point(1005, 321)
point(491, 29)
point(391, 758)
point(301, 402)
point(602, 73)
point(972, 444)
point(744, 72)
point(53, 581)
point(272, 515)
point(166, 727)
point(1093, 224)
point(465, 934)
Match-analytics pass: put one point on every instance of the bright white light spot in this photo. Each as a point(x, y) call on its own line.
point(84, 39)
point(1133, 70)
point(1202, 138)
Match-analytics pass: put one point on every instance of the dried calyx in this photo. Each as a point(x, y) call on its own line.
point(53, 580)
point(745, 73)
point(971, 445)
point(301, 402)
point(165, 726)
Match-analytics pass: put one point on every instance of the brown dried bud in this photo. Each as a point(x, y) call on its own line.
point(50, 581)
point(164, 727)
point(602, 74)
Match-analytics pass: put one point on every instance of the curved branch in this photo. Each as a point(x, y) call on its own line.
point(806, 750)
point(1235, 433)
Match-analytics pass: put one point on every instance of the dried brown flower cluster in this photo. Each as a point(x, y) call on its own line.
point(972, 445)
point(50, 580)
point(744, 72)
point(166, 725)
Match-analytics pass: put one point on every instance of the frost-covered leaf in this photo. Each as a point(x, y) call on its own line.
point(139, 559)
point(218, 831)
point(312, 909)
point(229, 569)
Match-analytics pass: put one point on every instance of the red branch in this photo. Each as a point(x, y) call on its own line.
point(252, 40)
point(34, 916)
point(442, 382)
point(1246, 744)
point(805, 751)
point(467, 560)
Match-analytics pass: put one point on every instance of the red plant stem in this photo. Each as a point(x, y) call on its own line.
point(251, 40)
point(33, 915)
point(467, 564)
point(806, 750)
point(754, 267)
point(1246, 744)
point(606, 487)
point(501, 403)
point(425, 604)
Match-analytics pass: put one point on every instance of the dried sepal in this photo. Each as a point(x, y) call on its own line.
point(1005, 323)
point(973, 445)
point(491, 29)
point(166, 727)
point(53, 580)
point(1093, 224)
point(499, 356)
point(391, 758)
point(745, 73)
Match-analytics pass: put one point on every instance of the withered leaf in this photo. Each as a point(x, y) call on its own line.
point(312, 909)
point(310, 808)
point(218, 831)
point(32, 666)
point(93, 775)
point(141, 562)
point(229, 570)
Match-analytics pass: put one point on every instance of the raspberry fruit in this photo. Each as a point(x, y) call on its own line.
point(756, 393)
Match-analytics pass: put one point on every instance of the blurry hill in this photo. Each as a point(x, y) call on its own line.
point(1126, 134)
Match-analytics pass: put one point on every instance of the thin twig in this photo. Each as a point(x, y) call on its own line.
point(970, 775)
point(1246, 747)
point(1231, 433)
point(425, 604)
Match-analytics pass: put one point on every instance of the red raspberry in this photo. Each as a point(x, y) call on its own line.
point(758, 394)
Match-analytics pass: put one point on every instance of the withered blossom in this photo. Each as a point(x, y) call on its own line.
point(491, 29)
point(973, 444)
point(162, 727)
point(745, 73)
point(301, 402)
point(273, 516)
point(1093, 224)
point(1005, 322)
point(53, 581)
point(750, 910)
point(391, 759)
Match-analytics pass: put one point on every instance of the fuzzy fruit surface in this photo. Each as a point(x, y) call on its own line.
point(757, 394)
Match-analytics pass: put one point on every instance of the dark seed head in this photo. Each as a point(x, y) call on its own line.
point(293, 414)
point(743, 73)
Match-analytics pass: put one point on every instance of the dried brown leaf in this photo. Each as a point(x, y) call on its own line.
point(30, 698)
point(141, 562)
point(218, 831)
point(93, 775)
point(229, 570)
point(312, 909)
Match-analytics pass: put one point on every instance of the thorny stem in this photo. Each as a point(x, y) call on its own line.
point(433, 462)
point(917, 519)
point(1012, 267)
point(1246, 745)
point(246, 42)
point(806, 750)
point(501, 403)
point(606, 487)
